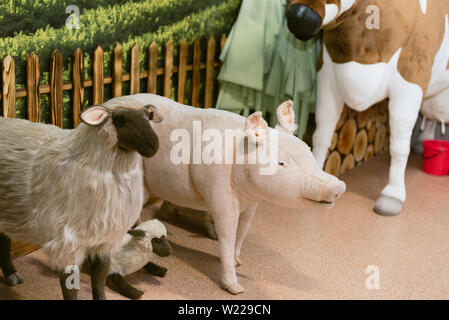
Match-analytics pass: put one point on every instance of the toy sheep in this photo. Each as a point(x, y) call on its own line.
point(75, 192)
point(136, 251)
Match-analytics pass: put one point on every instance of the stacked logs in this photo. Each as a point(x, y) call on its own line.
point(358, 137)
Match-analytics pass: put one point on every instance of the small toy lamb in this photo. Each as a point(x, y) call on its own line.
point(136, 251)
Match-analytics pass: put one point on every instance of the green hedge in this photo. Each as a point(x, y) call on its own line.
point(213, 20)
point(101, 26)
point(27, 16)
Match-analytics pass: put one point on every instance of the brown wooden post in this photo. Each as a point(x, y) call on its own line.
point(222, 45)
point(9, 87)
point(222, 42)
point(56, 93)
point(210, 70)
point(196, 81)
point(135, 69)
point(32, 89)
point(182, 71)
point(117, 74)
point(152, 68)
point(168, 69)
point(98, 76)
point(78, 85)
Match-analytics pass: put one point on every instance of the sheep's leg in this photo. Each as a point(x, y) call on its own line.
point(99, 273)
point(117, 283)
point(244, 222)
point(155, 269)
point(12, 277)
point(68, 294)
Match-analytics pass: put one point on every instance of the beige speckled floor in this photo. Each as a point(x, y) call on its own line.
point(305, 254)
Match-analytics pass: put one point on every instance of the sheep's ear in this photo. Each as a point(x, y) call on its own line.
point(95, 115)
point(286, 117)
point(256, 127)
point(136, 233)
point(156, 116)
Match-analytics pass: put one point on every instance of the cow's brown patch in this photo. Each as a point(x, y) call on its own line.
point(403, 25)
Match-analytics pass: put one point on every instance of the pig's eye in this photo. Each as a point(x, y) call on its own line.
point(151, 115)
point(282, 163)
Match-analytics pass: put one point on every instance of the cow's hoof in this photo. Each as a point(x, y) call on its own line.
point(388, 206)
point(14, 279)
point(210, 228)
point(234, 288)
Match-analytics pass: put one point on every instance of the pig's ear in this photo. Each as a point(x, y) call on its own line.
point(256, 127)
point(286, 117)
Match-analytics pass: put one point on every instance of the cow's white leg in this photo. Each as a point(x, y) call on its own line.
point(225, 213)
point(405, 101)
point(328, 111)
point(244, 222)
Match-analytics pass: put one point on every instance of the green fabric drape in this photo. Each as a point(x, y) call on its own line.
point(265, 65)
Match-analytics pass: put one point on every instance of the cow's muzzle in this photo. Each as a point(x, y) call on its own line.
point(303, 21)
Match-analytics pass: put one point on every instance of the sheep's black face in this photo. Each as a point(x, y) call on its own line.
point(134, 131)
point(161, 247)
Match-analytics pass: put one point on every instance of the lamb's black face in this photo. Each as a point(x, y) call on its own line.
point(134, 131)
point(161, 246)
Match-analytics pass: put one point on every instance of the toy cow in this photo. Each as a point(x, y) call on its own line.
point(405, 58)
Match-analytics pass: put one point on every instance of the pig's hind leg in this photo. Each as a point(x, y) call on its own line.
point(12, 277)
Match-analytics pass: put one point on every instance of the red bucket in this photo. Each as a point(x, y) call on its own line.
point(436, 157)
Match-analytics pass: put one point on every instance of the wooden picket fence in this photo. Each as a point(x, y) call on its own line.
point(33, 90)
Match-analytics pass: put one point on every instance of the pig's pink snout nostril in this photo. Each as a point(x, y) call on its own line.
point(333, 190)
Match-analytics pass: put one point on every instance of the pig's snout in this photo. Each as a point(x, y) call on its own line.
point(333, 190)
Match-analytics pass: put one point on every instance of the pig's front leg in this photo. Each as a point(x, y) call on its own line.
point(225, 212)
point(244, 222)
